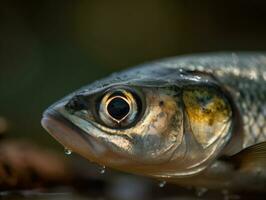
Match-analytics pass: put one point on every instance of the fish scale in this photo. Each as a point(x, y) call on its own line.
point(251, 105)
point(245, 76)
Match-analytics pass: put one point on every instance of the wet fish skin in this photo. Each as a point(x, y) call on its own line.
point(241, 75)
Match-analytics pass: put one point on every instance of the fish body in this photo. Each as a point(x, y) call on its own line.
point(194, 120)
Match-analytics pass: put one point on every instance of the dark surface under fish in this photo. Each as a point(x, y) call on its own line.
point(232, 158)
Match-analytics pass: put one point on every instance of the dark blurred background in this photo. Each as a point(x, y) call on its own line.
point(49, 48)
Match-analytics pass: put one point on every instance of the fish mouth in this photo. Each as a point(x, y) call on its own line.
point(69, 135)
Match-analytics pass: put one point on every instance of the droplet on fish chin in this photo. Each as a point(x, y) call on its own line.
point(67, 151)
point(200, 191)
point(102, 169)
point(162, 184)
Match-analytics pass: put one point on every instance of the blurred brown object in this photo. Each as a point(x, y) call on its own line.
point(4, 125)
point(23, 165)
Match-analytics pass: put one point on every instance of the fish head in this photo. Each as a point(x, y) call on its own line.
point(160, 126)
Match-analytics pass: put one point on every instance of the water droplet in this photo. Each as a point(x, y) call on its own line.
point(200, 191)
point(68, 151)
point(162, 184)
point(102, 169)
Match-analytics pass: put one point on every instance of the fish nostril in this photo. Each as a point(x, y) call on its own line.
point(77, 103)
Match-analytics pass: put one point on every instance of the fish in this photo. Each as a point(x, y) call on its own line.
point(194, 120)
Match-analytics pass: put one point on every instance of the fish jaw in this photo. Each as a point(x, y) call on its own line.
point(77, 140)
point(70, 136)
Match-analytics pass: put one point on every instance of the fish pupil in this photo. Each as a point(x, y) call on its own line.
point(118, 108)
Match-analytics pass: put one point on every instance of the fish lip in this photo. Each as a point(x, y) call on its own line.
point(66, 133)
point(53, 115)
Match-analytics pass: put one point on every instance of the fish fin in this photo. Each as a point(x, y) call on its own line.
point(251, 156)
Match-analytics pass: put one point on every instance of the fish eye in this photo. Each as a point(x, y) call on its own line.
point(119, 108)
